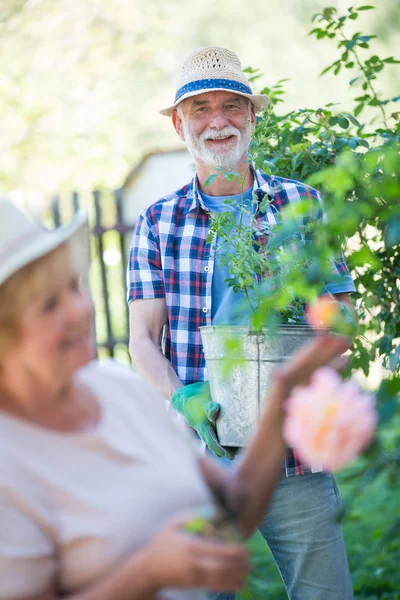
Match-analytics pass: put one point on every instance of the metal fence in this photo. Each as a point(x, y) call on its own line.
point(109, 242)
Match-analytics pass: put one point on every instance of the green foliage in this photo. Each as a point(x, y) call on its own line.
point(353, 158)
point(356, 165)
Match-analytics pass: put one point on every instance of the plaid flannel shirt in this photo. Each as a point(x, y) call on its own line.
point(170, 258)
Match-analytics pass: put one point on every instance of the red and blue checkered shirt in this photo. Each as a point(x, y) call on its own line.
point(170, 258)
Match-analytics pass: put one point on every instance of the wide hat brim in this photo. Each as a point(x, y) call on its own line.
point(259, 101)
point(44, 241)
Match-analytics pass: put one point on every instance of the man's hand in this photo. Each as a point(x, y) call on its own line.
point(194, 402)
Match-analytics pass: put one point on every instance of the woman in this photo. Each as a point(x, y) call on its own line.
point(96, 482)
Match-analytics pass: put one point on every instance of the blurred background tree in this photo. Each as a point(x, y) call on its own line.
point(81, 82)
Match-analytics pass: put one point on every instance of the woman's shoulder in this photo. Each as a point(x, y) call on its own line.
point(109, 375)
point(130, 394)
point(109, 369)
point(108, 366)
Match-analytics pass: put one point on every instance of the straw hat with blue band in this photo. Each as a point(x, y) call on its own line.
point(213, 69)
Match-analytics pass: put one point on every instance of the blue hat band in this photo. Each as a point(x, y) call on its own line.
point(210, 84)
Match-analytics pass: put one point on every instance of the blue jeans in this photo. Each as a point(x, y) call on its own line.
point(305, 539)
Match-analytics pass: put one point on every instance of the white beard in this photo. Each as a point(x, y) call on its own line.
point(227, 159)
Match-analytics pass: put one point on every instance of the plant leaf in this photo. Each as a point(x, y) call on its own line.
point(343, 122)
point(353, 120)
point(210, 179)
point(358, 109)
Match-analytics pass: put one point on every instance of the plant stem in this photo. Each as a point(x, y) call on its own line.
point(367, 78)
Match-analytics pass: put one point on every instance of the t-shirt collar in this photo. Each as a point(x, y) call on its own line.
point(262, 186)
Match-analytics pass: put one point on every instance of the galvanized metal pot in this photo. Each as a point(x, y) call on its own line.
point(240, 363)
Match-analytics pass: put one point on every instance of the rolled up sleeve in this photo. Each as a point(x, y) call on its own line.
point(144, 273)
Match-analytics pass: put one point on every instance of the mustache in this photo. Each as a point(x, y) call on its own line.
point(217, 135)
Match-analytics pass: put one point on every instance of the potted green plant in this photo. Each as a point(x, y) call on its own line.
point(270, 270)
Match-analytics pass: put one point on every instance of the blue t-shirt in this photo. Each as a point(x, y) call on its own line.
point(233, 308)
point(224, 302)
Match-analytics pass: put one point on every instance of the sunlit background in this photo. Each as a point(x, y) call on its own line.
point(81, 83)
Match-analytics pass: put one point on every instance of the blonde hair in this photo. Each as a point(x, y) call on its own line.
point(17, 290)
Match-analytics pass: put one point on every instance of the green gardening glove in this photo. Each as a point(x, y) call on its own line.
point(194, 402)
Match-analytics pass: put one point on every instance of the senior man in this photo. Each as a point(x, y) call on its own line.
point(175, 280)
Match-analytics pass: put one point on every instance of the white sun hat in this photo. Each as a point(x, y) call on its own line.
point(213, 69)
point(23, 239)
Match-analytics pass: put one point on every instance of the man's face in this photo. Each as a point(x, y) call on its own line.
point(217, 128)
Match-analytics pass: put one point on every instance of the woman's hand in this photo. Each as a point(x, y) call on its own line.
point(178, 559)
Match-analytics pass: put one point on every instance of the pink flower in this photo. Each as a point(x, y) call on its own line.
point(337, 316)
point(329, 422)
point(323, 312)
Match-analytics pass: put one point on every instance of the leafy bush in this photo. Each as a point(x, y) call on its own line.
point(353, 158)
point(356, 166)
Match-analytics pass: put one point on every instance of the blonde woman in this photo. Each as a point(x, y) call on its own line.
point(96, 480)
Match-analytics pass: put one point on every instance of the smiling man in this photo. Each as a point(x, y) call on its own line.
point(176, 285)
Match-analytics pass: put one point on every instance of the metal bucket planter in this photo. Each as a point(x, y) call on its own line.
point(240, 363)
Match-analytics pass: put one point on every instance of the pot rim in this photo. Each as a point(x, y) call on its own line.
point(286, 328)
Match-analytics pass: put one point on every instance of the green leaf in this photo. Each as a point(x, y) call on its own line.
point(259, 161)
point(391, 61)
point(394, 360)
point(353, 16)
point(366, 7)
point(353, 120)
point(363, 142)
point(352, 143)
point(358, 109)
point(366, 38)
point(392, 231)
point(210, 179)
point(361, 359)
point(389, 387)
point(365, 256)
point(343, 122)
point(333, 121)
point(326, 70)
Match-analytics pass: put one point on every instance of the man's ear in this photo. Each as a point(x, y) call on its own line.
point(177, 122)
point(252, 115)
